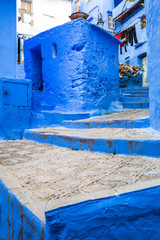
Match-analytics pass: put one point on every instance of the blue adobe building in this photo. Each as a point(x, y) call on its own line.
point(119, 17)
point(74, 68)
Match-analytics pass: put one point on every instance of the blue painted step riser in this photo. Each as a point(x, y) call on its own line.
point(135, 105)
point(139, 123)
point(134, 90)
point(134, 99)
point(149, 148)
point(136, 96)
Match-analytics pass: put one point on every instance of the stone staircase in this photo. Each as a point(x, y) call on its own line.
point(135, 98)
point(124, 133)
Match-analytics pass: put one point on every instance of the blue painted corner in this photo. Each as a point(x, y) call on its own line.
point(73, 68)
point(131, 216)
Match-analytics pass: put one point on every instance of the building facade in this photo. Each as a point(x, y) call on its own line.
point(131, 29)
point(120, 17)
point(99, 11)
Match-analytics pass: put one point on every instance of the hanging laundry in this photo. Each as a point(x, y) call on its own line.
point(122, 37)
point(131, 36)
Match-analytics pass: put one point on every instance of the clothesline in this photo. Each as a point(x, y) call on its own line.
point(125, 28)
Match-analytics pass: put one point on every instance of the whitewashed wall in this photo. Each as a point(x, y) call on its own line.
point(57, 11)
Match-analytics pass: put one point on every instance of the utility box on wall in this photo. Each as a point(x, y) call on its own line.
point(74, 67)
point(15, 107)
point(15, 92)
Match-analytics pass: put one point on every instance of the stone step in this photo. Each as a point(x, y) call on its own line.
point(129, 118)
point(124, 98)
point(134, 90)
point(138, 123)
point(134, 95)
point(52, 118)
point(139, 142)
point(135, 105)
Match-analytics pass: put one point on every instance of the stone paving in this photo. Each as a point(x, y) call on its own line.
point(46, 173)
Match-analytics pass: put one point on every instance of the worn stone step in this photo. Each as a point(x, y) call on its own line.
point(134, 90)
point(141, 142)
point(138, 123)
point(134, 99)
point(135, 105)
point(134, 95)
point(129, 118)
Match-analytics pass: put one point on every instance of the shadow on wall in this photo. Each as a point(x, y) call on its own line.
point(36, 68)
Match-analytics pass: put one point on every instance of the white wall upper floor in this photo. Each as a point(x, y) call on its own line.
point(45, 14)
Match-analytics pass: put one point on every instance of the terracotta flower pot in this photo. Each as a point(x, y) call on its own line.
point(77, 15)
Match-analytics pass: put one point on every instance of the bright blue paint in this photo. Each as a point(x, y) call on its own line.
point(21, 99)
point(153, 13)
point(117, 2)
point(16, 220)
point(52, 118)
point(136, 98)
point(149, 148)
point(138, 123)
point(83, 74)
point(134, 215)
point(15, 107)
point(126, 82)
point(8, 41)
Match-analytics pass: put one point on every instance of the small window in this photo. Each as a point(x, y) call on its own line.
point(143, 22)
point(111, 22)
point(54, 53)
point(26, 6)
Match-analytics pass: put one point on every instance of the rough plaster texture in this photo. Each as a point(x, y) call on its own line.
point(8, 40)
point(77, 64)
point(15, 107)
point(153, 13)
point(128, 216)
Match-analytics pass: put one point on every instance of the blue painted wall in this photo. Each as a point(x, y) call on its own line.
point(134, 215)
point(16, 220)
point(95, 9)
point(8, 40)
point(153, 33)
point(15, 107)
point(74, 67)
point(134, 53)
